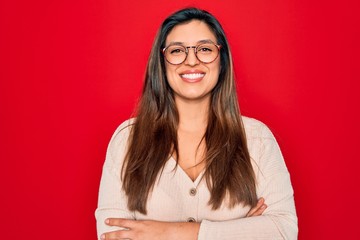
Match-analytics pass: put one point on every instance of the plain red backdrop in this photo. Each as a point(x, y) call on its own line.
point(71, 71)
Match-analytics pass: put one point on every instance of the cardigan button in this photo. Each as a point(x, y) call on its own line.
point(190, 219)
point(192, 192)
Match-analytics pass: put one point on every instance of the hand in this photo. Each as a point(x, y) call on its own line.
point(258, 209)
point(151, 230)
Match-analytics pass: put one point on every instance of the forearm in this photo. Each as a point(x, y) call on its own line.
point(185, 231)
point(147, 229)
point(260, 227)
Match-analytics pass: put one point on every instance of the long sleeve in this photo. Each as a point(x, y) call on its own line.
point(279, 220)
point(112, 200)
point(171, 200)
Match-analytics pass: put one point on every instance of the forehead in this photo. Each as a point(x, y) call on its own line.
point(190, 33)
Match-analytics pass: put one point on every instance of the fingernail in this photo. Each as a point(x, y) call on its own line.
point(102, 237)
point(107, 221)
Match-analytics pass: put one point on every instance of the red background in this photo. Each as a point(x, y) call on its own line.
point(71, 71)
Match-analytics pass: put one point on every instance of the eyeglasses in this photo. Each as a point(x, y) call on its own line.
point(205, 52)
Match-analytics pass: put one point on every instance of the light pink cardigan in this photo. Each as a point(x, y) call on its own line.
point(177, 198)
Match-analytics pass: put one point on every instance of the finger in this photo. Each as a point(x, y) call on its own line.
point(259, 211)
point(119, 222)
point(258, 207)
point(115, 235)
point(254, 209)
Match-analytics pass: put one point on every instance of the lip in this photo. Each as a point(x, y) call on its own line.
point(192, 76)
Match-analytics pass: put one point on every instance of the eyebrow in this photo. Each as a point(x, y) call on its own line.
point(198, 42)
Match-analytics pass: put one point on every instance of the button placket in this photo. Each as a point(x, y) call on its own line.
point(193, 213)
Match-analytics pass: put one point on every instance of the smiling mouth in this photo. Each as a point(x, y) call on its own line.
point(192, 76)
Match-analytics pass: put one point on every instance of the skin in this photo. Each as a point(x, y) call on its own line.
point(195, 91)
point(162, 230)
point(192, 98)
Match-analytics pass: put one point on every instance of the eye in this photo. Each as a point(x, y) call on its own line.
point(206, 48)
point(176, 50)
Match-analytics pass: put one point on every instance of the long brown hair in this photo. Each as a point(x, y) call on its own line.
point(153, 137)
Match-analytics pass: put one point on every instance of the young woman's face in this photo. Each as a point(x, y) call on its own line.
point(192, 79)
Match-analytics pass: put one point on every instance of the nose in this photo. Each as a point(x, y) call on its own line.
point(191, 58)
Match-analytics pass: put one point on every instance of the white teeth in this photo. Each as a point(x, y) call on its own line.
point(192, 75)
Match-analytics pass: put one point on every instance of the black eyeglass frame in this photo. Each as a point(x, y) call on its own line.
point(195, 51)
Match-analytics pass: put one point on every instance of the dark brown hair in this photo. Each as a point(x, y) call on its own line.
point(229, 173)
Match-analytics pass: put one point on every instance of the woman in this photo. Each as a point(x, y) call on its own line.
point(189, 166)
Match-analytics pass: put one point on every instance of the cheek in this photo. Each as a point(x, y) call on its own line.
point(170, 72)
point(216, 69)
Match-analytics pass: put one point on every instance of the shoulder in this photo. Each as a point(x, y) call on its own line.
point(261, 142)
point(123, 129)
point(118, 142)
point(263, 147)
point(255, 129)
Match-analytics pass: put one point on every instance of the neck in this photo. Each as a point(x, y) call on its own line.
point(193, 114)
